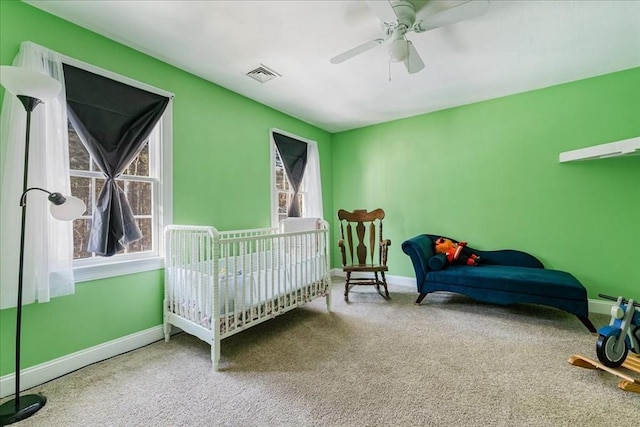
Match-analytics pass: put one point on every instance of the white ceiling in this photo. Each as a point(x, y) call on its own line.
point(515, 47)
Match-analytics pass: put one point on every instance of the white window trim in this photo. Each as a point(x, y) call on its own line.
point(104, 267)
point(272, 156)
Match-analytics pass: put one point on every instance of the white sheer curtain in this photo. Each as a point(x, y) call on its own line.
point(48, 242)
point(311, 182)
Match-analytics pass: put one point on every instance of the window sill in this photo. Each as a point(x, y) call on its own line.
point(87, 273)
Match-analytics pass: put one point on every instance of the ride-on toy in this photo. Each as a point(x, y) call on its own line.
point(621, 335)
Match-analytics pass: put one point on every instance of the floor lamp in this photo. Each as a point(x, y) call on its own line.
point(31, 88)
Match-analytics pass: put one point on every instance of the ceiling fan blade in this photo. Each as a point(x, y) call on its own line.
point(413, 62)
point(383, 10)
point(467, 10)
point(356, 51)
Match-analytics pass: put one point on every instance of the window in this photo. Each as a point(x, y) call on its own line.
point(140, 182)
point(147, 185)
point(309, 197)
point(284, 190)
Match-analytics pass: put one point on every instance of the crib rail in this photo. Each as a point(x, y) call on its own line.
point(220, 283)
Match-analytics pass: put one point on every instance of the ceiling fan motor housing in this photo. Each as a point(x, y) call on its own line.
point(405, 11)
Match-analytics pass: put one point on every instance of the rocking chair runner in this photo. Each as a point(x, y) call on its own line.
point(365, 248)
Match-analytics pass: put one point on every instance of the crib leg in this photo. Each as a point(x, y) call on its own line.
point(215, 343)
point(328, 298)
point(215, 354)
point(166, 326)
point(215, 357)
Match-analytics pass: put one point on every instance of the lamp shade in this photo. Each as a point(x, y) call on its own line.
point(68, 210)
point(22, 81)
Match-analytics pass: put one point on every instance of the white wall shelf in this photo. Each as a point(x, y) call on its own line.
point(625, 147)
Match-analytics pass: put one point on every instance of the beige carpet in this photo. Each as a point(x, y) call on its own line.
point(370, 362)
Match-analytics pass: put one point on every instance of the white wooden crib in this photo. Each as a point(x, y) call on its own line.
point(218, 283)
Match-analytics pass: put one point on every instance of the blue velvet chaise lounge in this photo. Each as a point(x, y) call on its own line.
point(503, 277)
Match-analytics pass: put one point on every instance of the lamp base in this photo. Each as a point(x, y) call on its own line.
point(29, 404)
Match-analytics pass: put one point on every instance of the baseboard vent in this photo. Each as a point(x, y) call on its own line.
point(263, 74)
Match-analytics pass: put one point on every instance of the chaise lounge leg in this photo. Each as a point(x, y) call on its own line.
point(586, 322)
point(420, 298)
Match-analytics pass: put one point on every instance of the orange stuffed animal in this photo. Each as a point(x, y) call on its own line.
point(454, 253)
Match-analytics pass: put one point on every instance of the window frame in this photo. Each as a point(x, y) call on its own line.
point(304, 192)
point(88, 269)
point(153, 179)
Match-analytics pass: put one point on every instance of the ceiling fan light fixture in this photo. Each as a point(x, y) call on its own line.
point(398, 50)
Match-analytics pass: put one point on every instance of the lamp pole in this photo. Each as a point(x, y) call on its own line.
point(30, 88)
point(33, 402)
point(23, 406)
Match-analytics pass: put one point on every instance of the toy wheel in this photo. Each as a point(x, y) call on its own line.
point(606, 353)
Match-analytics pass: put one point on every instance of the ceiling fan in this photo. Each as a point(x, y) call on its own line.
point(398, 17)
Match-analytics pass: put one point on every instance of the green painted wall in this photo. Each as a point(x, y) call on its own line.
point(488, 173)
point(212, 128)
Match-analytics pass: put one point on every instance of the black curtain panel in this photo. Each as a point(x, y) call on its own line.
point(294, 158)
point(113, 121)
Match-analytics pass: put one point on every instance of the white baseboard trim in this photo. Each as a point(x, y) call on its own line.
point(595, 306)
point(48, 371)
point(600, 307)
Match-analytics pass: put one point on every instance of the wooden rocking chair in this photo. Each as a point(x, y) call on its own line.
point(356, 223)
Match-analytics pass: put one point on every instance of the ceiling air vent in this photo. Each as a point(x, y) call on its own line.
point(263, 74)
